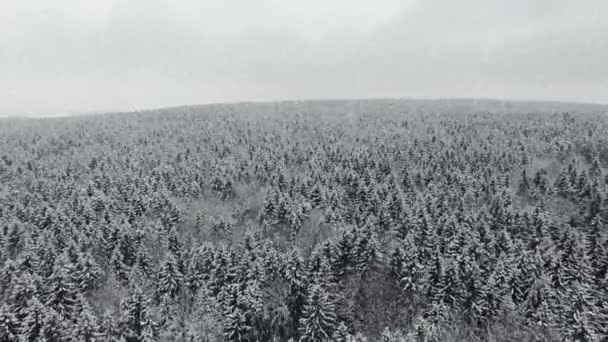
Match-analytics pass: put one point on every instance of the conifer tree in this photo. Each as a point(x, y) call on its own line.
point(62, 289)
point(435, 282)
point(454, 290)
point(596, 248)
point(524, 184)
point(9, 326)
point(344, 260)
point(397, 260)
point(562, 185)
point(120, 270)
point(135, 317)
point(40, 323)
point(109, 328)
point(319, 320)
point(579, 313)
point(595, 171)
point(236, 327)
point(85, 328)
point(54, 327)
point(170, 279)
point(414, 272)
point(540, 304)
point(87, 272)
point(366, 251)
point(341, 333)
point(24, 287)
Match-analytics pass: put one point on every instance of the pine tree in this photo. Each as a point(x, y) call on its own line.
point(595, 171)
point(54, 327)
point(497, 291)
point(236, 327)
point(295, 276)
point(435, 282)
point(170, 279)
point(9, 271)
point(9, 326)
point(143, 262)
point(540, 304)
point(428, 327)
point(28, 262)
point(85, 327)
point(62, 288)
point(319, 268)
point(319, 320)
point(475, 303)
point(397, 260)
point(135, 317)
point(573, 262)
point(453, 295)
point(268, 210)
point(392, 336)
point(87, 272)
point(562, 185)
point(40, 323)
point(366, 251)
point(24, 287)
point(596, 248)
point(524, 184)
point(578, 313)
point(540, 182)
point(120, 270)
point(341, 333)
point(583, 187)
point(413, 280)
point(344, 260)
point(526, 271)
point(316, 196)
point(109, 328)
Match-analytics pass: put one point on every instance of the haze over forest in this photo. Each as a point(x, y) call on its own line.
point(68, 56)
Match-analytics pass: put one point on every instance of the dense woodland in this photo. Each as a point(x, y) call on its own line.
point(312, 221)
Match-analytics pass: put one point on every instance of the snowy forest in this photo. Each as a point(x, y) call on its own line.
point(306, 221)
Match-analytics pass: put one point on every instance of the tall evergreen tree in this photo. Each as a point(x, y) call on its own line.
point(170, 279)
point(62, 288)
point(9, 326)
point(319, 320)
point(135, 317)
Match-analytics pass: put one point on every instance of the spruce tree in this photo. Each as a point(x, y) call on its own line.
point(9, 326)
point(118, 267)
point(41, 323)
point(523, 188)
point(578, 314)
point(85, 327)
point(319, 320)
point(62, 288)
point(87, 272)
point(170, 279)
point(135, 316)
point(235, 327)
point(109, 328)
point(295, 275)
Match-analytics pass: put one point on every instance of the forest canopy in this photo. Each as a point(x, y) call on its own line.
point(370, 220)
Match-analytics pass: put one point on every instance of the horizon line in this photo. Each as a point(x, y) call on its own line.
point(295, 100)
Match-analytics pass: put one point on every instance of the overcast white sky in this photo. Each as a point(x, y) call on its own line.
point(71, 56)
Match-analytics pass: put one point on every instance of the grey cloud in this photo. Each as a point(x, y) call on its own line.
point(148, 54)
